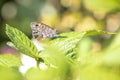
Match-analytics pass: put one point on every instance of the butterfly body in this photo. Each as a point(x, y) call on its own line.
point(42, 30)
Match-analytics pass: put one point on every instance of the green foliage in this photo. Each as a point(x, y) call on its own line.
point(84, 47)
point(21, 41)
point(112, 52)
point(97, 73)
point(71, 40)
point(10, 74)
point(68, 44)
point(66, 54)
point(97, 32)
point(49, 74)
point(36, 74)
point(55, 57)
point(8, 60)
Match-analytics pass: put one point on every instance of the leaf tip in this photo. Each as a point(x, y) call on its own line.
point(6, 25)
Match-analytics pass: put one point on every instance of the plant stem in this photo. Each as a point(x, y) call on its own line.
point(38, 62)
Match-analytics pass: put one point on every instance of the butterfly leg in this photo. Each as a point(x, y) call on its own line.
point(44, 37)
point(34, 35)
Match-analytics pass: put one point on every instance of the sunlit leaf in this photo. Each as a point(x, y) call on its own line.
point(53, 56)
point(49, 74)
point(97, 32)
point(7, 73)
point(96, 73)
point(111, 55)
point(9, 60)
point(21, 41)
point(68, 41)
point(67, 44)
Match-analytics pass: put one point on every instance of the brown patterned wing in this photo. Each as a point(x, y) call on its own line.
point(42, 30)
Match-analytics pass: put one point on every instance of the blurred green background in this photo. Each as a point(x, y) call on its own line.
point(65, 16)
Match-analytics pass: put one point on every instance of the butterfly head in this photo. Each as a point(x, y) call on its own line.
point(34, 25)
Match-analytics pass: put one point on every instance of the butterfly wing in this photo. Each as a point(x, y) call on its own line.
point(43, 30)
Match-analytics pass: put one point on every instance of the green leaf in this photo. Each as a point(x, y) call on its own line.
point(111, 55)
point(97, 32)
point(12, 45)
point(71, 40)
point(52, 55)
point(112, 58)
point(97, 73)
point(10, 73)
point(21, 41)
point(85, 47)
point(52, 74)
point(66, 44)
point(9, 60)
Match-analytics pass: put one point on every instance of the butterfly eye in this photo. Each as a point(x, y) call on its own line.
point(36, 25)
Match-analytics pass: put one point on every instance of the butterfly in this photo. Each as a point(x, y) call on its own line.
point(42, 30)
